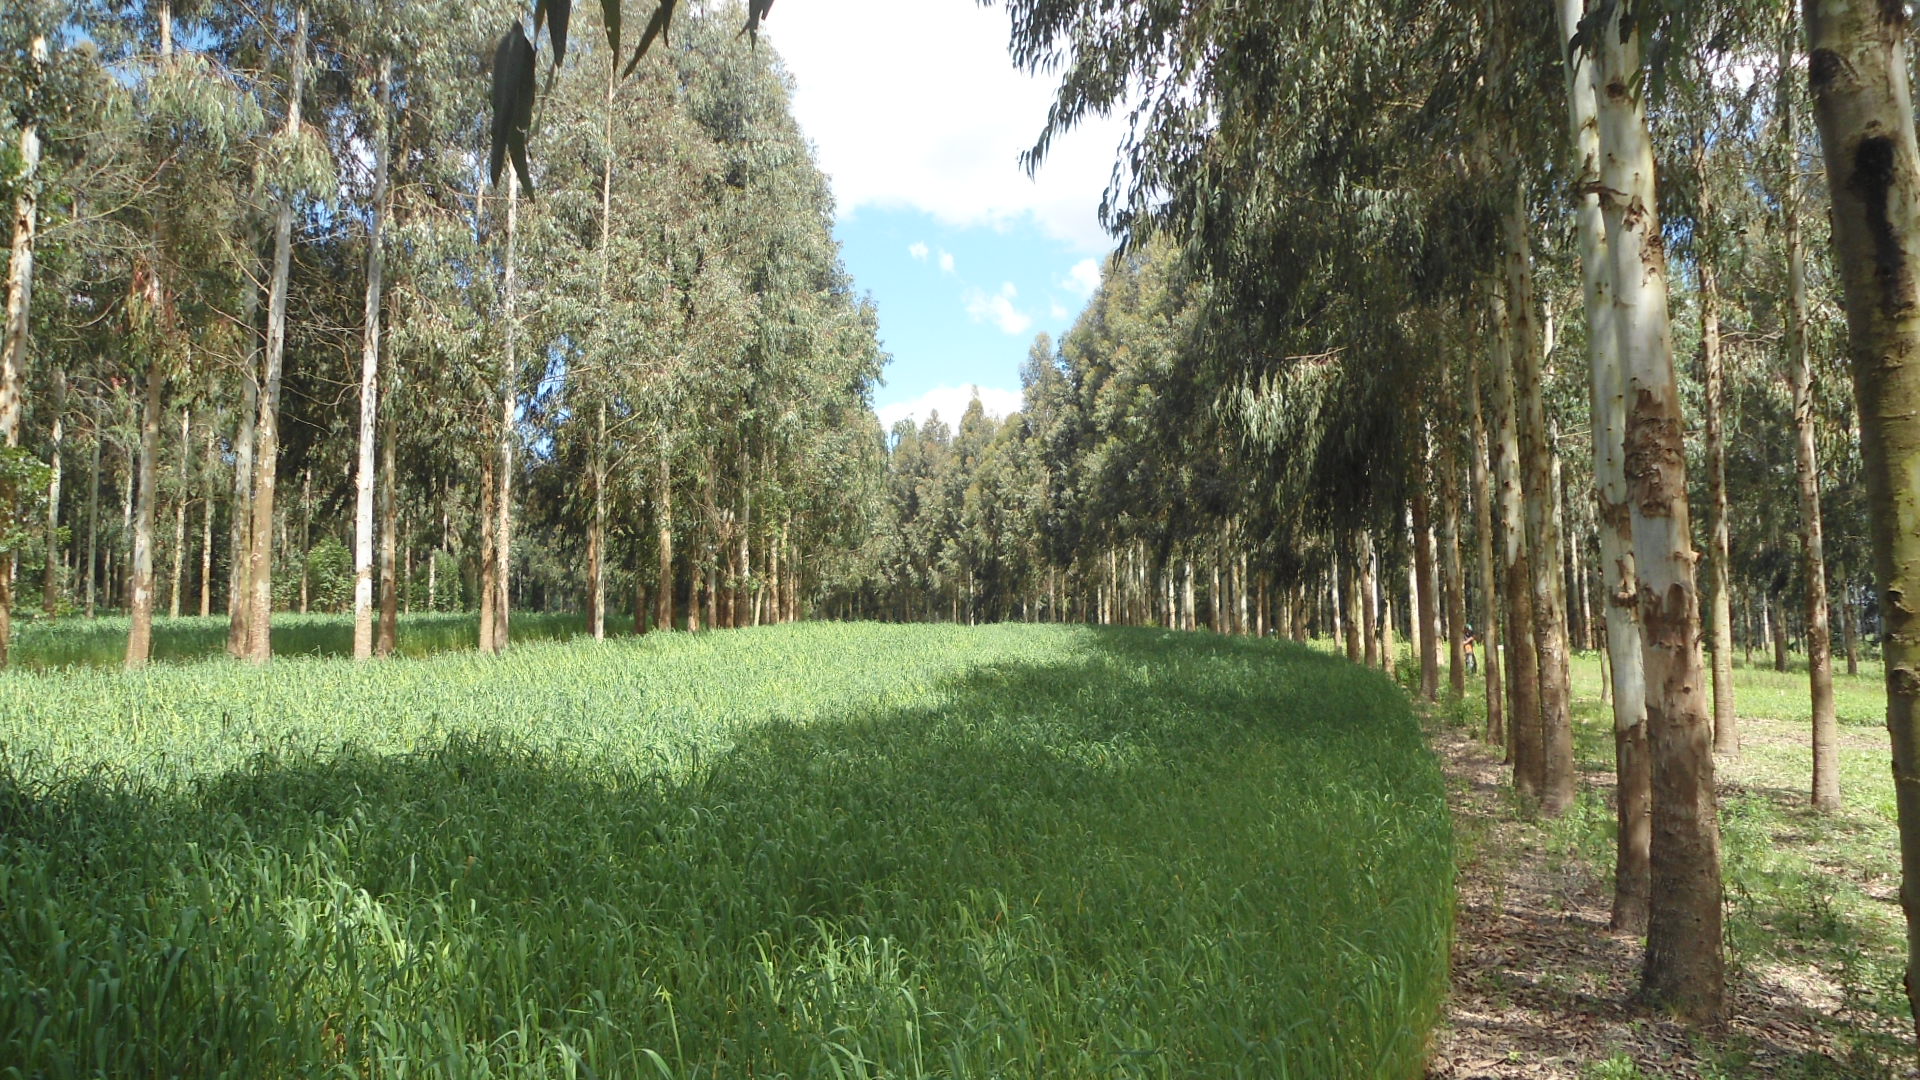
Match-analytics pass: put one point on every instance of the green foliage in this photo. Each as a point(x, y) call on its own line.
point(808, 851)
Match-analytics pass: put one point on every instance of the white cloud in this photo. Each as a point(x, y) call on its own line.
point(1057, 310)
point(917, 105)
point(946, 262)
point(951, 403)
point(998, 309)
point(1083, 279)
point(918, 251)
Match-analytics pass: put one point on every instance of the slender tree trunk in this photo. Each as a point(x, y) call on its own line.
point(13, 346)
point(1555, 767)
point(1490, 638)
point(1779, 633)
point(597, 532)
point(140, 636)
point(1826, 754)
point(1452, 573)
point(1525, 731)
point(1685, 964)
point(267, 434)
point(1626, 676)
point(180, 514)
point(209, 477)
point(489, 593)
point(663, 524)
point(363, 484)
point(389, 634)
point(240, 525)
point(1849, 631)
point(93, 515)
point(50, 588)
point(306, 534)
point(1426, 612)
point(1726, 723)
point(509, 375)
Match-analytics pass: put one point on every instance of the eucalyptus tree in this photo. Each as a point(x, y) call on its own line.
point(1862, 103)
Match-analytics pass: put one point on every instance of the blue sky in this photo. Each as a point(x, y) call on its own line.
point(918, 117)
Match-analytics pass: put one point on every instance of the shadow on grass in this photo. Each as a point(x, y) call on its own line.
point(1168, 853)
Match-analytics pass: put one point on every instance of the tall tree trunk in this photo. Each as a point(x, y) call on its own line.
point(93, 514)
point(13, 346)
point(50, 588)
point(597, 532)
point(389, 634)
point(1524, 727)
point(1849, 631)
point(1425, 609)
point(1453, 573)
point(267, 433)
point(489, 593)
point(1490, 661)
point(363, 477)
point(509, 374)
point(1685, 965)
point(1779, 633)
point(1555, 767)
point(663, 524)
point(208, 477)
point(1626, 675)
point(140, 636)
point(306, 533)
point(240, 523)
point(1369, 599)
point(1726, 723)
point(180, 514)
point(1826, 752)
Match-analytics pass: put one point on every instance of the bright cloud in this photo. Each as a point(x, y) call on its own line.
point(1057, 310)
point(945, 134)
point(1084, 278)
point(946, 262)
point(918, 251)
point(998, 309)
point(951, 403)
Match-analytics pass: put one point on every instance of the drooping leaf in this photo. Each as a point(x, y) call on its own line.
point(513, 86)
point(756, 11)
point(610, 15)
point(561, 12)
point(656, 28)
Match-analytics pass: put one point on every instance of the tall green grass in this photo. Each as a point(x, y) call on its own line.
point(813, 851)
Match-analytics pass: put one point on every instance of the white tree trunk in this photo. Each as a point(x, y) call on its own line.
point(363, 477)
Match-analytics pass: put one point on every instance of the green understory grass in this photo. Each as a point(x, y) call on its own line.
point(75, 641)
point(828, 850)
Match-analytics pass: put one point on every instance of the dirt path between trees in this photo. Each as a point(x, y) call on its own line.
point(1542, 988)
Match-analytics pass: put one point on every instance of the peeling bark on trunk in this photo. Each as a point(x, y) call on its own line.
point(1857, 66)
point(208, 475)
point(485, 555)
point(50, 587)
point(1726, 722)
point(509, 375)
point(597, 533)
point(240, 525)
point(1685, 965)
point(1625, 674)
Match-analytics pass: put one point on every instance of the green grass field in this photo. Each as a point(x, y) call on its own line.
point(825, 850)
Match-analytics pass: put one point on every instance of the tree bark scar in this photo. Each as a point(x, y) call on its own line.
point(1655, 455)
point(1893, 12)
point(1872, 181)
point(1823, 67)
point(1905, 681)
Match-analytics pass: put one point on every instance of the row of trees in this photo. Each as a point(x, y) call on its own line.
point(255, 248)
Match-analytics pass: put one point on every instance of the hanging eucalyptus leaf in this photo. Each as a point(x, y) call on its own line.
point(756, 11)
point(513, 86)
point(610, 15)
point(560, 12)
point(656, 28)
